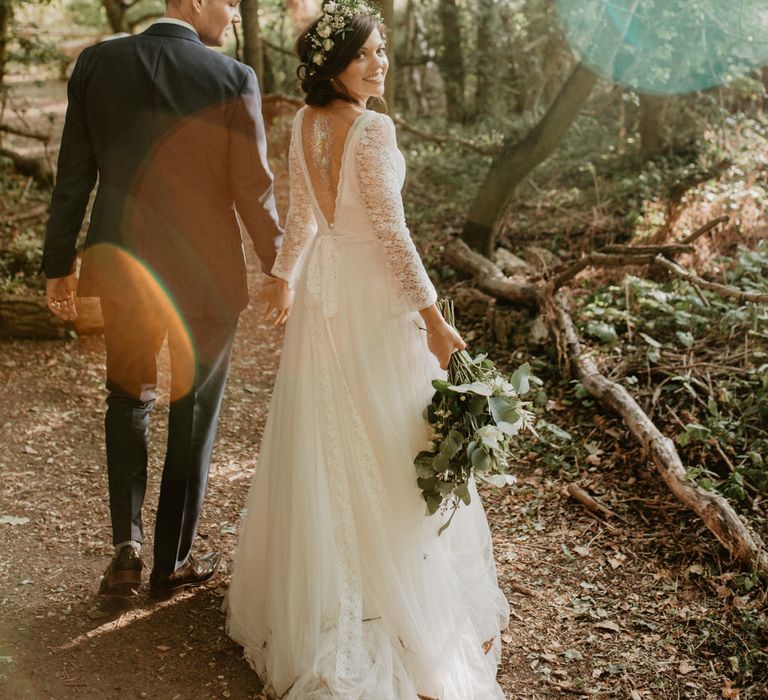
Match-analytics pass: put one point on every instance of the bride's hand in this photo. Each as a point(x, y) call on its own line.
point(443, 341)
point(278, 297)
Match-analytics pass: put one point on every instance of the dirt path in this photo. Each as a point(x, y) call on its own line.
point(594, 608)
point(609, 610)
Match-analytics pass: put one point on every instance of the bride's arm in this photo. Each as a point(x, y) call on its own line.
point(376, 164)
point(376, 161)
point(300, 225)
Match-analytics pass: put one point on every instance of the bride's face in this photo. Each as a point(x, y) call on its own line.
point(364, 76)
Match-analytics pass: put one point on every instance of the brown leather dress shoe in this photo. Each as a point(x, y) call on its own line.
point(123, 575)
point(195, 572)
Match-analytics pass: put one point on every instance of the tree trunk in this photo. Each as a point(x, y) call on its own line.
point(486, 58)
point(301, 12)
point(515, 161)
point(388, 13)
point(253, 54)
point(6, 10)
point(651, 120)
point(28, 316)
point(451, 60)
point(116, 15)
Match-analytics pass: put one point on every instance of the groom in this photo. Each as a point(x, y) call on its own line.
point(173, 131)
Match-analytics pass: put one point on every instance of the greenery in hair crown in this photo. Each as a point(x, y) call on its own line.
point(333, 26)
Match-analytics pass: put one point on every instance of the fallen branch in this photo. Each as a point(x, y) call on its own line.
point(26, 133)
point(616, 256)
point(490, 278)
point(35, 167)
point(588, 502)
point(724, 290)
point(442, 139)
point(705, 229)
point(741, 540)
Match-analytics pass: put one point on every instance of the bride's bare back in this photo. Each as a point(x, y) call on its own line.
point(324, 136)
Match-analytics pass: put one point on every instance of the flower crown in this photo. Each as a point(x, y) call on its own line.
point(334, 24)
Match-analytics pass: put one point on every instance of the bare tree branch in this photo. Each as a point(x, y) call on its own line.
point(725, 290)
point(718, 515)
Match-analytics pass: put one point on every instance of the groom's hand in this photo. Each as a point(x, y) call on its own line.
point(60, 295)
point(278, 297)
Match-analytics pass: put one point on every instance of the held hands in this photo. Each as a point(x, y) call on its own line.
point(60, 295)
point(278, 297)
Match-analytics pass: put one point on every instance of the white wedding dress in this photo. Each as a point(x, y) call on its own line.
point(341, 587)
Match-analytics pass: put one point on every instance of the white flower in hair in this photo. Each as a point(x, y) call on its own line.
point(336, 20)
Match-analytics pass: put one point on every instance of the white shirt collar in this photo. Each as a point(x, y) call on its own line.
point(173, 20)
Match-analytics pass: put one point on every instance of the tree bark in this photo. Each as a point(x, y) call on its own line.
point(6, 10)
point(486, 58)
point(517, 160)
point(388, 13)
point(28, 317)
point(116, 15)
point(253, 54)
point(651, 121)
point(451, 60)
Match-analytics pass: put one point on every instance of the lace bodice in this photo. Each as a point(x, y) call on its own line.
point(368, 204)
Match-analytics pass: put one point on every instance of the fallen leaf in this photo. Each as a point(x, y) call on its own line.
point(30, 450)
point(686, 667)
point(608, 625)
point(582, 551)
point(12, 520)
point(98, 613)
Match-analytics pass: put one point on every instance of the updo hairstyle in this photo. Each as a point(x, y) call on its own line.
point(318, 88)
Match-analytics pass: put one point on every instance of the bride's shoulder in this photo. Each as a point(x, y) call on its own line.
point(377, 127)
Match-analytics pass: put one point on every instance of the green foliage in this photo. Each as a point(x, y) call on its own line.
point(707, 360)
point(20, 260)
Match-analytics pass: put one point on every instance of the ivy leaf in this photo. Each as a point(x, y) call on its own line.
point(685, 338)
point(602, 331)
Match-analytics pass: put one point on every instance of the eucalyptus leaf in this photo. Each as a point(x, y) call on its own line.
point(477, 406)
point(502, 410)
point(441, 386)
point(481, 460)
point(425, 470)
point(471, 448)
point(433, 504)
point(498, 480)
point(444, 487)
point(510, 429)
point(462, 491)
point(520, 379)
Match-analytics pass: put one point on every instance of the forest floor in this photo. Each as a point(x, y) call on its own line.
point(603, 608)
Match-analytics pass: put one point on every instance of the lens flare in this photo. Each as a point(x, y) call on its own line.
point(668, 46)
point(129, 278)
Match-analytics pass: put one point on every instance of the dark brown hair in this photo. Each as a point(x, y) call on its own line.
point(318, 88)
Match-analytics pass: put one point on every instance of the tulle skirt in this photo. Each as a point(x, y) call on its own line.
point(341, 587)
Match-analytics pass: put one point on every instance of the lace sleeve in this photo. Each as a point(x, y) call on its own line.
point(377, 169)
point(300, 223)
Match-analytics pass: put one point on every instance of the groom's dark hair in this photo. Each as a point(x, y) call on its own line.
point(318, 88)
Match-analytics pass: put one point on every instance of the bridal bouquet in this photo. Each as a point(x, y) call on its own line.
point(474, 416)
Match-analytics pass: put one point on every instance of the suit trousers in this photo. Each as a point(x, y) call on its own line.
point(200, 351)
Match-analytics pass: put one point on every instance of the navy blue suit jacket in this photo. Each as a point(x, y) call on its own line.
point(174, 134)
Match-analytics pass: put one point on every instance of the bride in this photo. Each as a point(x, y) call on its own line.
point(341, 587)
